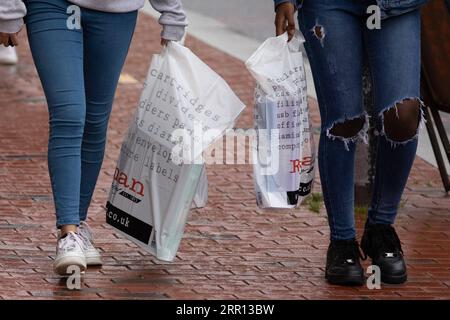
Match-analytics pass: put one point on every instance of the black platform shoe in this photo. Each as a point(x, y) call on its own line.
point(381, 243)
point(343, 265)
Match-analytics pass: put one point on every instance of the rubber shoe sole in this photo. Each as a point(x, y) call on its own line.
point(346, 280)
point(93, 260)
point(61, 265)
point(394, 279)
point(93, 257)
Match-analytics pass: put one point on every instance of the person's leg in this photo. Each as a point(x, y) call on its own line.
point(334, 47)
point(58, 54)
point(107, 37)
point(394, 57)
point(333, 32)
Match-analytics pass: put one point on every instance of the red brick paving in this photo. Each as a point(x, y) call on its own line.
point(231, 249)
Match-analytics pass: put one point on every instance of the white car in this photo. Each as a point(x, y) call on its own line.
point(8, 55)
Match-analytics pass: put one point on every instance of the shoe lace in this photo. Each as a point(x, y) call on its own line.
point(349, 251)
point(70, 241)
point(85, 231)
point(385, 240)
point(86, 234)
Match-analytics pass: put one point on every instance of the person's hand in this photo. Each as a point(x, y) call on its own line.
point(164, 42)
point(284, 19)
point(9, 39)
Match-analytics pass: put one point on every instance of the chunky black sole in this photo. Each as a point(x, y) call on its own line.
point(345, 280)
point(394, 279)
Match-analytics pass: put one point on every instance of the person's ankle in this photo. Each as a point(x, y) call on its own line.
point(65, 229)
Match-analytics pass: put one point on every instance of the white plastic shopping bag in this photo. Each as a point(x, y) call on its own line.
point(185, 105)
point(284, 153)
point(201, 195)
point(150, 195)
point(154, 184)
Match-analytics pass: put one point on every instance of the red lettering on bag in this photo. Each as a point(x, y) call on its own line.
point(298, 164)
point(122, 179)
point(307, 161)
point(137, 183)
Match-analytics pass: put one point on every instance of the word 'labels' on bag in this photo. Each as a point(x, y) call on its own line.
point(183, 108)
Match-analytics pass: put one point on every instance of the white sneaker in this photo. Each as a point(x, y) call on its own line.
point(69, 252)
point(8, 55)
point(93, 257)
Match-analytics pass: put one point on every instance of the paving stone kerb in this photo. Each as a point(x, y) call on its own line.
point(231, 249)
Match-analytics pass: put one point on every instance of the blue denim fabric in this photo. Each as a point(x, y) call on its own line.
point(79, 71)
point(398, 4)
point(337, 57)
point(389, 8)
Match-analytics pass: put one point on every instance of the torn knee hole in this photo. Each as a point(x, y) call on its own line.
point(348, 129)
point(319, 32)
point(402, 121)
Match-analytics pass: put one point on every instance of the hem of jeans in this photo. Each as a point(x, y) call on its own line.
point(372, 222)
point(361, 135)
point(83, 214)
point(61, 223)
point(394, 105)
point(343, 238)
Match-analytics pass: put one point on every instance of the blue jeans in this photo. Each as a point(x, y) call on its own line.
point(79, 70)
point(337, 44)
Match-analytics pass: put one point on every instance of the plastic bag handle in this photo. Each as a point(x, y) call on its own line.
point(171, 44)
point(296, 42)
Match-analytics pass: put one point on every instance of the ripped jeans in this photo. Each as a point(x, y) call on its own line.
point(337, 43)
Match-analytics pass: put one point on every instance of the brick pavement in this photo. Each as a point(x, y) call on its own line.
point(231, 249)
